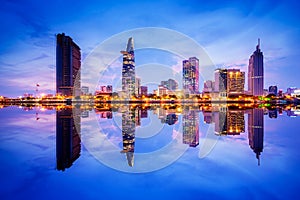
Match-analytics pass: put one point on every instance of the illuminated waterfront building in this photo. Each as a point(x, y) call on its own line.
point(256, 72)
point(68, 140)
point(128, 71)
point(68, 63)
point(235, 81)
point(191, 75)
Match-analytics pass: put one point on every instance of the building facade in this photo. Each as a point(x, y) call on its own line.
point(68, 63)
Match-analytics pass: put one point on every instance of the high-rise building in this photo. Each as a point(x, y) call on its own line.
point(190, 74)
point(235, 81)
point(128, 71)
point(68, 140)
point(68, 62)
point(256, 72)
point(171, 84)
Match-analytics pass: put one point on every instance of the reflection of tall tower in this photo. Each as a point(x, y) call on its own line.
point(256, 72)
point(256, 131)
point(68, 64)
point(128, 133)
point(190, 74)
point(128, 71)
point(67, 137)
point(190, 125)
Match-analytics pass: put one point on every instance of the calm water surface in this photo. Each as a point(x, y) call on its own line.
point(174, 153)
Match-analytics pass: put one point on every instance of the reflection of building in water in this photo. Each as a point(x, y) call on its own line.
point(229, 121)
point(256, 131)
point(235, 122)
point(67, 137)
point(171, 119)
point(190, 125)
point(128, 133)
point(273, 113)
point(220, 119)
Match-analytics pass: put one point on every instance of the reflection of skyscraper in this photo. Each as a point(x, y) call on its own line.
point(220, 119)
point(256, 72)
point(128, 133)
point(67, 137)
point(190, 125)
point(68, 64)
point(128, 71)
point(191, 75)
point(256, 131)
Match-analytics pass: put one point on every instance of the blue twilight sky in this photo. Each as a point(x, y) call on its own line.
point(228, 30)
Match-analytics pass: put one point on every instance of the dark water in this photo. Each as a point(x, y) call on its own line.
point(173, 152)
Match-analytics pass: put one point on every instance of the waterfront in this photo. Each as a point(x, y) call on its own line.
point(229, 171)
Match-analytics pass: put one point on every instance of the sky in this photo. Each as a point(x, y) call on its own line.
point(227, 30)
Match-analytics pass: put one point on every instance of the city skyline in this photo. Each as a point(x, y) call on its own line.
point(21, 69)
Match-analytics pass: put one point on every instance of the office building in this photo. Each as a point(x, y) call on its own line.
point(190, 74)
point(68, 63)
point(256, 72)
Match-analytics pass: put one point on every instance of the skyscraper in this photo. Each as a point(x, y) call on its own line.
point(256, 72)
point(128, 71)
point(68, 62)
point(190, 74)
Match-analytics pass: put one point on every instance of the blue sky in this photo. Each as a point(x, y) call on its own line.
point(228, 30)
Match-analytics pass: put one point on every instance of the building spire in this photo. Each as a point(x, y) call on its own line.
point(130, 46)
point(258, 44)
